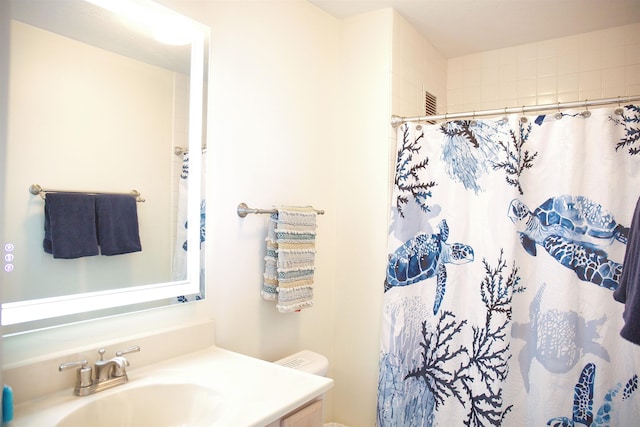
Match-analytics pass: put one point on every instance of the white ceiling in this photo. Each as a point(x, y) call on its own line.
point(462, 27)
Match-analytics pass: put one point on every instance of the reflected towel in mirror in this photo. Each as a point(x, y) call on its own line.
point(70, 225)
point(117, 221)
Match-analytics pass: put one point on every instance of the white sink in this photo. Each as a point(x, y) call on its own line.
point(211, 387)
point(159, 405)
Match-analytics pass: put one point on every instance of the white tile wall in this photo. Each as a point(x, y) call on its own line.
point(599, 64)
point(417, 67)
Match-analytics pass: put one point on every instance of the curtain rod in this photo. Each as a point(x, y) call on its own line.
point(398, 120)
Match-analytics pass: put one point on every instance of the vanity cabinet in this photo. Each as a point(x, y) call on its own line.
point(309, 415)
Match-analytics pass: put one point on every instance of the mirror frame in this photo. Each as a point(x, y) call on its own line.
point(45, 308)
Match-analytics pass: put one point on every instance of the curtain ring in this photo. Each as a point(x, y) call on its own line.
point(504, 119)
point(619, 111)
point(558, 115)
point(586, 113)
point(523, 118)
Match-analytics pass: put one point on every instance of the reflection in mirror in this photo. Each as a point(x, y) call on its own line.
point(98, 105)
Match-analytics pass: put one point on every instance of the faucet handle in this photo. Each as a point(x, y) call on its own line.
point(83, 376)
point(101, 353)
point(133, 349)
point(79, 364)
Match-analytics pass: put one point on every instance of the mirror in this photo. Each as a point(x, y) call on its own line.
point(102, 101)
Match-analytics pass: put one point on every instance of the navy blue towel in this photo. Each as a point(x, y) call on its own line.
point(117, 216)
point(70, 225)
point(628, 291)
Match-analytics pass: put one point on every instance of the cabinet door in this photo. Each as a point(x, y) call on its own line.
point(309, 416)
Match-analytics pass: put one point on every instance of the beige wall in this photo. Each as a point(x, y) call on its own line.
point(273, 142)
point(362, 214)
point(274, 138)
point(299, 115)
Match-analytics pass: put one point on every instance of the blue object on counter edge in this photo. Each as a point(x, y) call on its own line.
point(7, 404)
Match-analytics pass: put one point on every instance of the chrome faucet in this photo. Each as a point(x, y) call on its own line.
point(113, 368)
point(109, 373)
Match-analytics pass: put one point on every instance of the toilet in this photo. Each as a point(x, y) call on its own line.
point(313, 363)
point(306, 361)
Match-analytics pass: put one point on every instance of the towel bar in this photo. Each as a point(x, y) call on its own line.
point(36, 190)
point(244, 210)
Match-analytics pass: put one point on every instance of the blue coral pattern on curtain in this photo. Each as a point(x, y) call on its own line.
point(179, 270)
point(506, 242)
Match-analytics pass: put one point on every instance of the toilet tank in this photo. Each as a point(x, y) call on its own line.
point(307, 361)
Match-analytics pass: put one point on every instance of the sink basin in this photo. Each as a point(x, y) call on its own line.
point(159, 405)
point(209, 387)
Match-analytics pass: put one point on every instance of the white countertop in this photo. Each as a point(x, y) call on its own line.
point(254, 392)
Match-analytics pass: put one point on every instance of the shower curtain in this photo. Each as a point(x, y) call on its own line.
point(506, 242)
point(179, 270)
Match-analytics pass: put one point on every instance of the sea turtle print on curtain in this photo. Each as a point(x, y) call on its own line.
point(557, 339)
point(498, 333)
point(423, 257)
point(583, 399)
point(575, 231)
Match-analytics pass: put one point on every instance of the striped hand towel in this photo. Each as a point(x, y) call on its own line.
point(290, 258)
point(270, 278)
